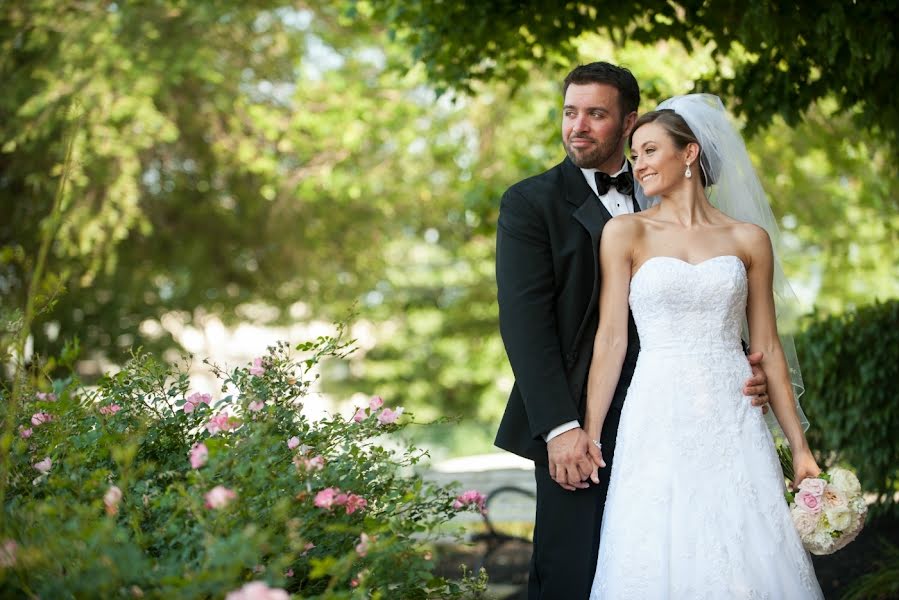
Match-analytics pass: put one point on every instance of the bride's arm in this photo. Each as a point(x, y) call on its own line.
point(610, 344)
point(761, 315)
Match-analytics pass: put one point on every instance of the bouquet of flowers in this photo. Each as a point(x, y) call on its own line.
point(828, 510)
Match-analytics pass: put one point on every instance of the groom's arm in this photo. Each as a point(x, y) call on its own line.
point(525, 292)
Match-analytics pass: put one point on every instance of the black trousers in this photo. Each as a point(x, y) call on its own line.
point(566, 537)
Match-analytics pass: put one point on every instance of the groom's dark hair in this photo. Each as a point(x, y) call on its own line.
point(618, 77)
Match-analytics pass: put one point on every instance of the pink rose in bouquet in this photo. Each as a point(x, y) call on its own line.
point(809, 501)
point(814, 486)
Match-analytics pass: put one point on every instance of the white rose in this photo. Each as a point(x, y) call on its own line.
point(845, 480)
point(822, 540)
point(839, 518)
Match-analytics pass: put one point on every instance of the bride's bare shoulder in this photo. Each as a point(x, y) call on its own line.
point(754, 241)
point(750, 234)
point(628, 225)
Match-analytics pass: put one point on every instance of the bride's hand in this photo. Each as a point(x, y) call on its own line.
point(598, 461)
point(804, 466)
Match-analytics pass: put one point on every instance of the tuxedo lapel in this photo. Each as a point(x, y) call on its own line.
point(590, 212)
point(592, 216)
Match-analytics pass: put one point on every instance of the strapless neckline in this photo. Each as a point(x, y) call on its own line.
point(686, 262)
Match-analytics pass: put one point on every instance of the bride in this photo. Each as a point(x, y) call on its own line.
point(695, 507)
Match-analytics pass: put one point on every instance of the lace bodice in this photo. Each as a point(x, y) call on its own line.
point(680, 306)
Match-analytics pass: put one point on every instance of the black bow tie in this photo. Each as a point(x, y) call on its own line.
point(623, 182)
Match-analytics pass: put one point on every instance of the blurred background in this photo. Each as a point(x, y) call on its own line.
point(244, 172)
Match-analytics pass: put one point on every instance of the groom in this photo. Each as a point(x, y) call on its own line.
point(547, 273)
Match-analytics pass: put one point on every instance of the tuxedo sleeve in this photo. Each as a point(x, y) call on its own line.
point(525, 291)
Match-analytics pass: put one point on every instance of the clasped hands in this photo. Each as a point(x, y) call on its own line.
point(574, 458)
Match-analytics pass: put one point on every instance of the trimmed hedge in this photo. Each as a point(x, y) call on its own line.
point(850, 364)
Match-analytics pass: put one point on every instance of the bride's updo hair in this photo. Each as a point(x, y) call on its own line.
point(681, 134)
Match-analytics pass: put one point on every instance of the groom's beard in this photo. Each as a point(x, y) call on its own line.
point(592, 157)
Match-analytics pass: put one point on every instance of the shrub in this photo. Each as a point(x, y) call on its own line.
point(850, 365)
point(143, 487)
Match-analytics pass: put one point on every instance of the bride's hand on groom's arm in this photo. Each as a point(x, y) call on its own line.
point(757, 385)
point(573, 457)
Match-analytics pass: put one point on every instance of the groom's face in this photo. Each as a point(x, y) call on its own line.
point(593, 128)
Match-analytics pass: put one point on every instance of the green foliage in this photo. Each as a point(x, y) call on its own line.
point(850, 365)
point(229, 153)
point(776, 58)
point(883, 583)
point(117, 507)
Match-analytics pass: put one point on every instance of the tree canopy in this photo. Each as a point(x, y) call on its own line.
point(773, 58)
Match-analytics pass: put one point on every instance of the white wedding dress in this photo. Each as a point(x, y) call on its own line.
point(695, 507)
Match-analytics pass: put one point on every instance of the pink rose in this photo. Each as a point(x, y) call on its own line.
point(360, 415)
point(362, 546)
point(354, 583)
point(375, 403)
point(354, 503)
point(25, 433)
point(813, 485)
point(293, 442)
point(809, 502)
point(256, 406)
point(316, 463)
point(199, 454)
point(805, 521)
point(8, 553)
point(219, 497)
point(220, 422)
point(309, 546)
point(471, 498)
point(111, 499)
point(195, 400)
point(258, 590)
point(110, 410)
point(46, 396)
point(44, 465)
point(388, 416)
point(325, 498)
point(288, 573)
point(257, 369)
point(39, 418)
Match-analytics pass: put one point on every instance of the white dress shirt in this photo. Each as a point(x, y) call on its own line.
point(617, 204)
point(614, 201)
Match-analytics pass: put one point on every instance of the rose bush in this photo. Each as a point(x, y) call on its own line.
point(144, 487)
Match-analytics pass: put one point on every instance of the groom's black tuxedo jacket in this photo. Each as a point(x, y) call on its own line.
point(547, 273)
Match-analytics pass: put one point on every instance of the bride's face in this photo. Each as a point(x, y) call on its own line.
point(658, 164)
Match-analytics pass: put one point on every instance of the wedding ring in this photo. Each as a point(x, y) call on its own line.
point(598, 444)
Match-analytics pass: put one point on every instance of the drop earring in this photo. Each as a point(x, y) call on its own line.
point(688, 173)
